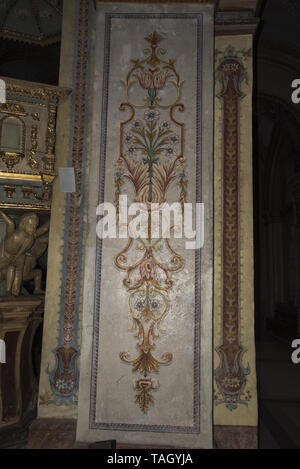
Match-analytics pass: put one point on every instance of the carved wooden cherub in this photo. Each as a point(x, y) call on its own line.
point(13, 248)
point(30, 271)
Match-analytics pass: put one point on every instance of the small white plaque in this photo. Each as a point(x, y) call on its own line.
point(2, 351)
point(67, 179)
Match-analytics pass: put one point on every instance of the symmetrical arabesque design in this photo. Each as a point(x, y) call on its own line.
point(231, 375)
point(151, 156)
point(65, 375)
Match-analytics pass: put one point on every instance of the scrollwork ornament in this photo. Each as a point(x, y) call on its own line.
point(151, 151)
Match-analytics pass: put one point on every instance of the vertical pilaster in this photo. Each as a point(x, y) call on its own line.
point(235, 410)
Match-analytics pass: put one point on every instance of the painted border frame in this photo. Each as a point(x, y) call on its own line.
point(87, 428)
point(97, 319)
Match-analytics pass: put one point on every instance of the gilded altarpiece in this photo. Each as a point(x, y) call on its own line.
point(27, 172)
point(27, 144)
point(146, 344)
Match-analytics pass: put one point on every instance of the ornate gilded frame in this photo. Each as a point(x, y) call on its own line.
point(10, 158)
point(42, 175)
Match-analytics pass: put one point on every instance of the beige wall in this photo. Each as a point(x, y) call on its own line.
point(49, 404)
point(55, 250)
point(243, 415)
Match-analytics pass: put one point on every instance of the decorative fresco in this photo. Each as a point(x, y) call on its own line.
point(147, 336)
point(65, 374)
point(165, 305)
point(151, 156)
point(231, 374)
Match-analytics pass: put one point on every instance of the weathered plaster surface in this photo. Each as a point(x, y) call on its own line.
point(243, 414)
point(114, 399)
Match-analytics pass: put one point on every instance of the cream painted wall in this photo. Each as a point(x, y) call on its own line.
point(244, 415)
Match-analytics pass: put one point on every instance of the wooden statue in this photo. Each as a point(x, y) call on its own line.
point(13, 249)
point(30, 271)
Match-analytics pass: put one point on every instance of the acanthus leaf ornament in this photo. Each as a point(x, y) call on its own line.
point(153, 73)
point(151, 155)
point(231, 374)
point(11, 158)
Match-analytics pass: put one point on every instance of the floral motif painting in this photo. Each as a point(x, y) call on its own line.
point(151, 156)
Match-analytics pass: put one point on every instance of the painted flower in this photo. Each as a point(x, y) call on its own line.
point(151, 115)
point(130, 151)
point(152, 78)
point(231, 382)
point(170, 151)
point(139, 305)
point(145, 78)
point(165, 125)
point(138, 124)
point(154, 305)
point(63, 385)
point(59, 383)
point(69, 385)
point(173, 139)
point(128, 138)
point(160, 78)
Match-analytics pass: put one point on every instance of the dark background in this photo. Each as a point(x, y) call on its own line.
point(276, 176)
